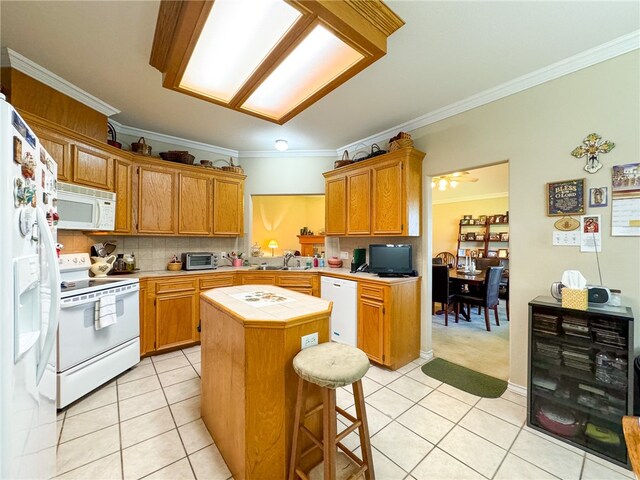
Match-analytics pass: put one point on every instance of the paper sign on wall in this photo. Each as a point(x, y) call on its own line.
point(566, 239)
point(590, 233)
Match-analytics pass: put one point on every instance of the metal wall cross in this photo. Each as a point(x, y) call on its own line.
point(591, 147)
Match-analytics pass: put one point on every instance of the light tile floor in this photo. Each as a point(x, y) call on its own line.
point(146, 424)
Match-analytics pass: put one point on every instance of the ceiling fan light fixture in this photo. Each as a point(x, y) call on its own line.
point(281, 145)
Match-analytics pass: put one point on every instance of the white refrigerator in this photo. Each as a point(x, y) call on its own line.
point(29, 301)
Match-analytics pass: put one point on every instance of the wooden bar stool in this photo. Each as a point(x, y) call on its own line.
point(331, 365)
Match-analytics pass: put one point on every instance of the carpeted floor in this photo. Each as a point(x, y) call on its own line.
point(470, 345)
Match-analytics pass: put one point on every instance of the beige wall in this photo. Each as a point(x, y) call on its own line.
point(446, 220)
point(536, 131)
point(281, 217)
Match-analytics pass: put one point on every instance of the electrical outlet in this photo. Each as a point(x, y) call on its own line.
point(344, 255)
point(309, 340)
point(223, 254)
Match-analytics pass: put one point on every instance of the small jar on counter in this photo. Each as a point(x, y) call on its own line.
point(315, 261)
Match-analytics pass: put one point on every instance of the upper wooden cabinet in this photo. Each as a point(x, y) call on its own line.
point(124, 194)
point(228, 206)
point(59, 148)
point(381, 196)
point(335, 203)
point(359, 202)
point(156, 200)
point(92, 167)
point(194, 204)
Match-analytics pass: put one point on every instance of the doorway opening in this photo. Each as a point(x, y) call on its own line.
point(470, 230)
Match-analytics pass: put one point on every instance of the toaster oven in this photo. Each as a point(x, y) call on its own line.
point(199, 261)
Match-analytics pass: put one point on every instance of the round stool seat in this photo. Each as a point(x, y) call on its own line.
point(331, 365)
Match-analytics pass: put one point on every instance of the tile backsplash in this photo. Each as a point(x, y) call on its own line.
point(152, 253)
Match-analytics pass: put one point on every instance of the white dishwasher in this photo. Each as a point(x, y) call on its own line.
point(344, 317)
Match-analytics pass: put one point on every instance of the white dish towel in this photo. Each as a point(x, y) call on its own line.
point(105, 313)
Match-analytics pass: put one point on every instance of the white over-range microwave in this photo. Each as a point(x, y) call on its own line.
point(82, 208)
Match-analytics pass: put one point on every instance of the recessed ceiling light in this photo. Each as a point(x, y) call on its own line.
point(281, 145)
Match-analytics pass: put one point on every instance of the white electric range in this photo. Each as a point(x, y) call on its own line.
point(89, 356)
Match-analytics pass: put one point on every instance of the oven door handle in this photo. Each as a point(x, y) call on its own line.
point(49, 246)
point(96, 298)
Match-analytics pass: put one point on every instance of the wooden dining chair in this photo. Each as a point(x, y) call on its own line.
point(440, 291)
point(487, 298)
point(482, 264)
point(447, 258)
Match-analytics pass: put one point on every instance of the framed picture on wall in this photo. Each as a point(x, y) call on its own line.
point(598, 197)
point(480, 253)
point(461, 252)
point(480, 237)
point(503, 253)
point(566, 197)
point(463, 237)
point(482, 219)
point(504, 237)
point(492, 254)
point(471, 236)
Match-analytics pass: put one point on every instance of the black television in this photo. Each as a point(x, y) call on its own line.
point(390, 260)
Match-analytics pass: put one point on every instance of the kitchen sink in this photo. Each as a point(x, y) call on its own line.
point(268, 267)
point(295, 268)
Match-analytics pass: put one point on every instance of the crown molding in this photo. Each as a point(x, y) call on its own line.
point(170, 139)
point(13, 59)
point(289, 153)
point(471, 198)
point(588, 58)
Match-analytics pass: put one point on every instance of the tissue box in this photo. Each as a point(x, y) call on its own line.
point(574, 298)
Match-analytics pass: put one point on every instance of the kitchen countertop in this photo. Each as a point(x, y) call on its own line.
point(327, 271)
point(292, 307)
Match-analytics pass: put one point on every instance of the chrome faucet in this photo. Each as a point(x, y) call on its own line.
point(287, 256)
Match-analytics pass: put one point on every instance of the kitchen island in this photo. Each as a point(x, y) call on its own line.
point(250, 334)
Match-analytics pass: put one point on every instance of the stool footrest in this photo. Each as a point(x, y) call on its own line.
point(348, 430)
point(346, 415)
point(315, 409)
point(311, 436)
point(350, 454)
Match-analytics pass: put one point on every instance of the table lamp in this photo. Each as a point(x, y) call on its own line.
point(273, 245)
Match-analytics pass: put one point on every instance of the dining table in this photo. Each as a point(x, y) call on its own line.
point(461, 280)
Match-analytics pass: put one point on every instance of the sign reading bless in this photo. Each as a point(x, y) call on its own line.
point(565, 198)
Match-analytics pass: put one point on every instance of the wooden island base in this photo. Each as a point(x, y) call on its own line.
point(248, 381)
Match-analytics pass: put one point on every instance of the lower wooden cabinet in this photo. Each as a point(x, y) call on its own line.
point(389, 322)
point(388, 314)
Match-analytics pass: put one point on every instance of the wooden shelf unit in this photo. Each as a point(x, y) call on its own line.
point(485, 245)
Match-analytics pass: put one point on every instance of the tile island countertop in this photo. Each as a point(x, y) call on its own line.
point(262, 304)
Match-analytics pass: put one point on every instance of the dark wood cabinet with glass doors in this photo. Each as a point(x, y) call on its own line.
point(581, 375)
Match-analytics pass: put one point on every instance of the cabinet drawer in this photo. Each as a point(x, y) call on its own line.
point(217, 281)
point(306, 290)
point(171, 286)
point(295, 280)
point(258, 279)
point(374, 292)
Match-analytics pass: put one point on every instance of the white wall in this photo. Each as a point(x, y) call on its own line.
point(536, 130)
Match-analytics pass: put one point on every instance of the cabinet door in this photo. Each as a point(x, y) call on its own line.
point(156, 200)
point(359, 203)
point(336, 206)
point(388, 202)
point(176, 319)
point(228, 206)
point(59, 148)
point(122, 177)
point(92, 167)
point(371, 328)
point(194, 205)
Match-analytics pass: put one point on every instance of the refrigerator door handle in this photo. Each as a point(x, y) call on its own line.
point(54, 277)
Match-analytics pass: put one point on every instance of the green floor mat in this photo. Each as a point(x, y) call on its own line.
point(464, 379)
